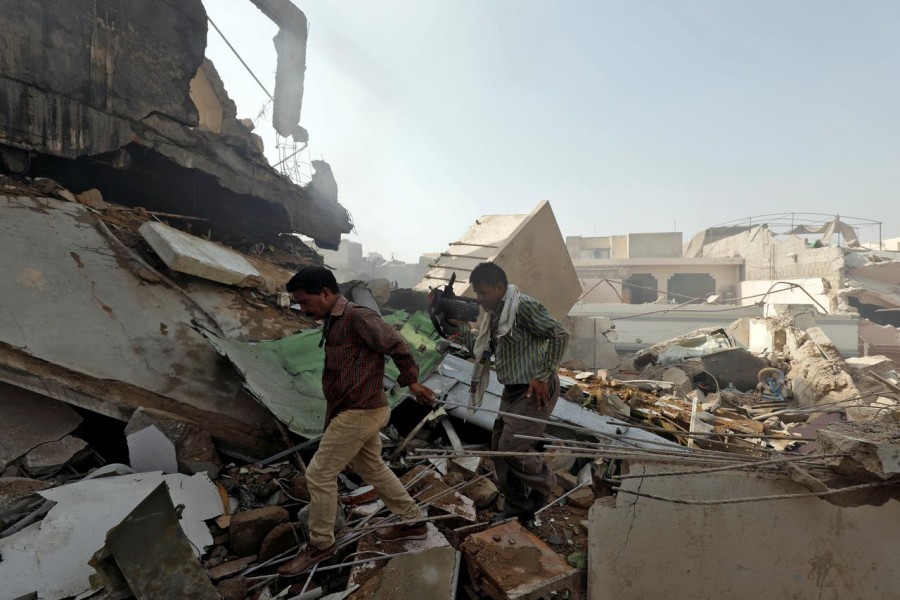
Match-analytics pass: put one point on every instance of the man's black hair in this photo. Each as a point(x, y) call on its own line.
point(488, 273)
point(313, 280)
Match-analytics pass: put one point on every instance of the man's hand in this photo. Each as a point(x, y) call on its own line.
point(540, 391)
point(423, 394)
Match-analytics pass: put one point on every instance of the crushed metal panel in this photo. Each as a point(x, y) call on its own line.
point(531, 250)
point(451, 382)
point(193, 255)
point(152, 553)
point(135, 332)
point(75, 528)
point(285, 375)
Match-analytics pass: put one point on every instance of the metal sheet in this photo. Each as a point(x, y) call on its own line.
point(285, 375)
point(454, 375)
point(153, 554)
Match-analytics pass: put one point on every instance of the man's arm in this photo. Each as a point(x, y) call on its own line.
point(378, 335)
point(535, 317)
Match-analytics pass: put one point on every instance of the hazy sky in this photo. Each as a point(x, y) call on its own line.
point(629, 116)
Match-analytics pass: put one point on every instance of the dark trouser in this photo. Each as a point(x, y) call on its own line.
point(516, 474)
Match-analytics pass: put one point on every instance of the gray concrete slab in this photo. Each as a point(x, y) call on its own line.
point(73, 307)
point(28, 420)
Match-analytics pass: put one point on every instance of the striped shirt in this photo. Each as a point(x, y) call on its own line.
point(356, 342)
point(532, 349)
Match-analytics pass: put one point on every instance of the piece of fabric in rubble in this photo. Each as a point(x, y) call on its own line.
point(285, 375)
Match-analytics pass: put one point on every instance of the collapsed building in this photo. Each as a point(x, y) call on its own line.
point(160, 396)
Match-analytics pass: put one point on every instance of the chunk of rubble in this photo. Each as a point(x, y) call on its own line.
point(195, 256)
point(430, 573)
point(149, 450)
point(18, 498)
point(28, 420)
point(52, 457)
point(509, 562)
point(151, 552)
point(50, 558)
point(872, 449)
point(431, 486)
point(248, 529)
point(370, 545)
point(194, 448)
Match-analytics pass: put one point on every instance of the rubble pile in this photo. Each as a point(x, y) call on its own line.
point(161, 396)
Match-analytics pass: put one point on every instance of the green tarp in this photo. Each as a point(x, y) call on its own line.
point(285, 375)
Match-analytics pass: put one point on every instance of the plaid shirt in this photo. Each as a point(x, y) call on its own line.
point(356, 342)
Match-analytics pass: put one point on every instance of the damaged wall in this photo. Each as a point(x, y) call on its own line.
point(786, 257)
point(797, 548)
point(97, 95)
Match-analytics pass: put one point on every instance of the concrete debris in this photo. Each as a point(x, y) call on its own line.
point(151, 552)
point(509, 562)
point(150, 450)
point(28, 420)
point(195, 451)
point(249, 529)
point(195, 256)
point(52, 457)
point(50, 558)
point(430, 573)
point(865, 449)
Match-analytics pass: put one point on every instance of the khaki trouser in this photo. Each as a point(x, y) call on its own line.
point(517, 474)
point(352, 437)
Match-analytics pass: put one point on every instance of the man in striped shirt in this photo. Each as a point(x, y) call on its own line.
point(356, 341)
point(527, 344)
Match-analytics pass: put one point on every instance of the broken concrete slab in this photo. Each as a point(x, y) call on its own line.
point(799, 547)
point(152, 553)
point(361, 574)
point(195, 256)
point(142, 351)
point(531, 250)
point(870, 364)
point(52, 457)
point(431, 573)
point(28, 419)
point(871, 449)
point(18, 498)
point(509, 562)
point(248, 529)
point(194, 448)
point(150, 450)
point(59, 547)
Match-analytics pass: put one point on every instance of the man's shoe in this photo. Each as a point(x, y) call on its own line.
point(395, 533)
point(305, 560)
point(534, 503)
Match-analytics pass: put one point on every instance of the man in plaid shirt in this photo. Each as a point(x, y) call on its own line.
point(356, 341)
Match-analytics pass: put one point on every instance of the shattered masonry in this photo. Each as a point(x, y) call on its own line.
point(160, 397)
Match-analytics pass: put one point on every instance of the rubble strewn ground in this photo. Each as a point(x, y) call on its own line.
point(699, 403)
point(160, 397)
